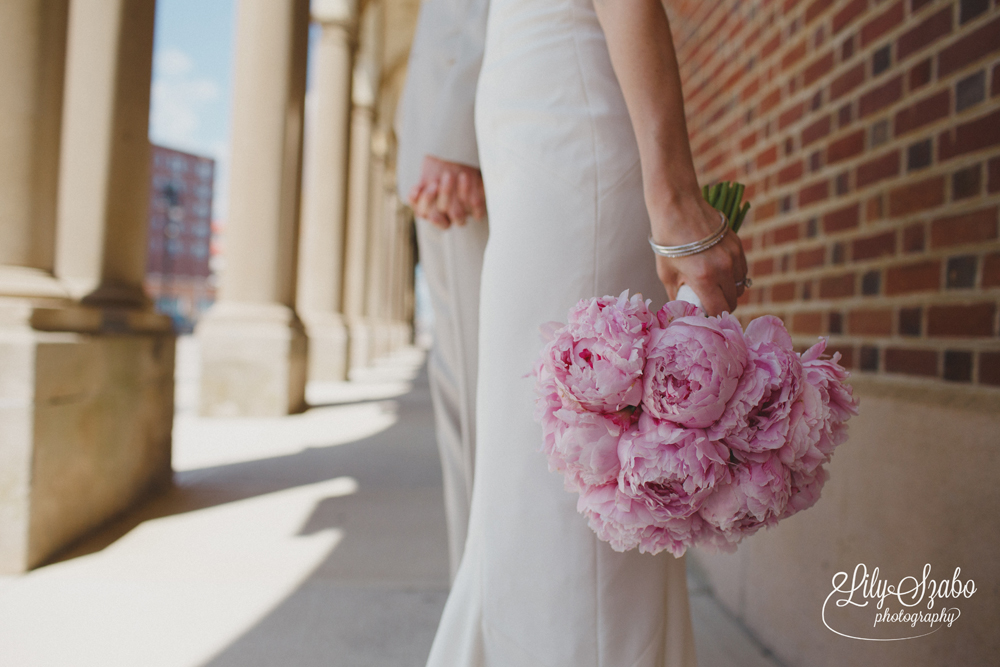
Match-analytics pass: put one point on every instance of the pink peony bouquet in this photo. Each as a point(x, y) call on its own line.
point(678, 429)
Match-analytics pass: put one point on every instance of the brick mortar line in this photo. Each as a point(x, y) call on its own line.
point(836, 42)
point(756, 97)
point(900, 342)
point(804, 94)
point(940, 296)
point(907, 100)
point(900, 142)
point(952, 120)
point(948, 209)
point(884, 187)
point(873, 228)
point(848, 304)
point(782, 22)
point(708, 11)
point(696, 39)
point(963, 296)
point(864, 265)
point(853, 304)
point(732, 46)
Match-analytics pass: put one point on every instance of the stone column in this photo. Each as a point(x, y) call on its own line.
point(392, 268)
point(364, 95)
point(321, 251)
point(32, 59)
point(402, 273)
point(104, 171)
point(394, 271)
point(377, 251)
point(86, 366)
point(253, 345)
point(355, 260)
point(405, 299)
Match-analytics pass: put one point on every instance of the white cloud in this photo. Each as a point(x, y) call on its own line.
point(179, 96)
point(172, 62)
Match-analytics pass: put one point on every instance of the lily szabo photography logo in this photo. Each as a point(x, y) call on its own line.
point(868, 607)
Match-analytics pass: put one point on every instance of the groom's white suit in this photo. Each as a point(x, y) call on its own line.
point(435, 117)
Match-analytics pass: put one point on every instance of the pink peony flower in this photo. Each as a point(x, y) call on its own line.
point(625, 522)
point(595, 362)
point(805, 492)
point(760, 419)
point(583, 446)
point(673, 310)
point(806, 421)
point(756, 497)
point(667, 472)
point(830, 380)
point(818, 418)
point(671, 468)
point(693, 368)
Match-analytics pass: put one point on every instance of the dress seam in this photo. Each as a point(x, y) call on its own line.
point(594, 265)
point(593, 143)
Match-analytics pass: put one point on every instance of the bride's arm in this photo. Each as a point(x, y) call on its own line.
point(643, 57)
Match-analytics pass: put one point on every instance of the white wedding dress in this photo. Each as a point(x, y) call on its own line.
point(567, 221)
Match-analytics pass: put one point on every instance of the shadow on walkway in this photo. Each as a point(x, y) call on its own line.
point(376, 599)
point(377, 596)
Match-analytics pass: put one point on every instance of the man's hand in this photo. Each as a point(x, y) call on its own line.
point(448, 193)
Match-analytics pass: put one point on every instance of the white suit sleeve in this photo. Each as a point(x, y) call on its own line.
point(451, 132)
point(436, 112)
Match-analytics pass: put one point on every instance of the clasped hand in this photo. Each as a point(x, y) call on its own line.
point(448, 193)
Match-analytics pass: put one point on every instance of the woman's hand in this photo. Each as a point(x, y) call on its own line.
point(717, 274)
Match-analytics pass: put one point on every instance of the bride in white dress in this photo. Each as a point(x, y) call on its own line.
point(566, 88)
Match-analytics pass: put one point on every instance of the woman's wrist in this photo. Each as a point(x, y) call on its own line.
point(695, 247)
point(683, 217)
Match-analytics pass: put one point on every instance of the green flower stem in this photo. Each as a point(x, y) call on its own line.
point(727, 197)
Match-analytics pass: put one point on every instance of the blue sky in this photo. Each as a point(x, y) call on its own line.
point(192, 82)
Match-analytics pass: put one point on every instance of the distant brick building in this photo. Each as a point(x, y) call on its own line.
point(178, 274)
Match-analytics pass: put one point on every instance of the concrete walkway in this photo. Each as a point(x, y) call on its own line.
point(316, 539)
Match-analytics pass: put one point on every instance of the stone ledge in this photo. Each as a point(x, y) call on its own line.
point(974, 398)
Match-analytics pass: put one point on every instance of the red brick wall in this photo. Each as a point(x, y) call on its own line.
point(868, 134)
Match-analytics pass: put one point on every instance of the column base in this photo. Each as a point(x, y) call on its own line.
point(379, 338)
point(327, 335)
point(380, 344)
point(359, 344)
point(85, 426)
point(402, 335)
point(253, 361)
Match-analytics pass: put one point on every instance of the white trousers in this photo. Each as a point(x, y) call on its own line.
point(567, 221)
point(452, 261)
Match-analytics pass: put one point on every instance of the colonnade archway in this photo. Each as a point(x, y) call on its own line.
point(319, 255)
